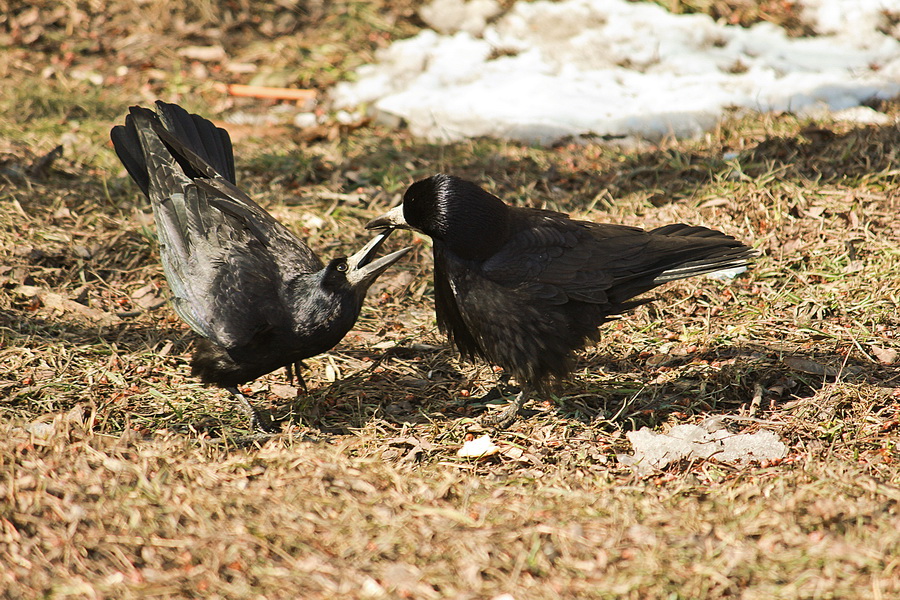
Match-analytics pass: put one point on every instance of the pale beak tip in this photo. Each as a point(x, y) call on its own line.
point(390, 220)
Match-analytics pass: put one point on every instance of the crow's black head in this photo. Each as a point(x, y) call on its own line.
point(472, 223)
point(358, 272)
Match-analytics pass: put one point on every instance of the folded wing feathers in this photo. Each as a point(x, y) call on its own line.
point(722, 252)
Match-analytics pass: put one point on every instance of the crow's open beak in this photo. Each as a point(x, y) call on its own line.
point(363, 270)
point(390, 219)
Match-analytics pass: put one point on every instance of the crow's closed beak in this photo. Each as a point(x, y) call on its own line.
point(392, 218)
point(363, 270)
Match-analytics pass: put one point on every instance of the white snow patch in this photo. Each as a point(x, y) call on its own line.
point(848, 18)
point(544, 70)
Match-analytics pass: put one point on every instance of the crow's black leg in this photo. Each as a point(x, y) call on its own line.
point(246, 408)
point(300, 381)
point(508, 415)
point(293, 370)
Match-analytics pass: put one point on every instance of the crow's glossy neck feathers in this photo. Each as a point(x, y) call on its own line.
point(471, 222)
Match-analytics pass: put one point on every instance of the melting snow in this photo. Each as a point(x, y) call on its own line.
point(543, 70)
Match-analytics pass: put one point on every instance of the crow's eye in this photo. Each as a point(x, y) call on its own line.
point(341, 267)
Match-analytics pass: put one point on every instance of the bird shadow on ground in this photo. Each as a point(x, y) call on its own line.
point(401, 385)
point(627, 393)
point(640, 390)
point(405, 387)
point(127, 337)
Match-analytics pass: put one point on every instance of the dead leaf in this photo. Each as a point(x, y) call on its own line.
point(808, 366)
point(59, 304)
point(792, 246)
point(815, 212)
point(283, 390)
point(147, 297)
point(660, 360)
point(405, 581)
point(886, 356)
point(716, 202)
point(204, 53)
point(854, 266)
point(331, 373)
point(513, 453)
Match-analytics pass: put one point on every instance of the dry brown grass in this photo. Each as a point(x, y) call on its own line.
point(96, 515)
point(120, 476)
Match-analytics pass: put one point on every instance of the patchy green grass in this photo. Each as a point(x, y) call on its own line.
point(120, 476)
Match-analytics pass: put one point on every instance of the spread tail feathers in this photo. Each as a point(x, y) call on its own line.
point(200, 148)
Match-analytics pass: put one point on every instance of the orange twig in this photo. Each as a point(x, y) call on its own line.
point(256, 91)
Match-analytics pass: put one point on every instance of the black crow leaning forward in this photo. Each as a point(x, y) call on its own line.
point(525, 288)
point(257, 295)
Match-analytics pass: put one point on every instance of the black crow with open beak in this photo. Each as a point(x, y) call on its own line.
point(257, 295)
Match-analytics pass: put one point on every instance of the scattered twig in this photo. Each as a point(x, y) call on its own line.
point(272, 93)
point(757, 399)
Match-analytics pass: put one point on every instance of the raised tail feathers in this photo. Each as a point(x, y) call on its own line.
point(200, 148)
point(199, 136)
point(127, 144)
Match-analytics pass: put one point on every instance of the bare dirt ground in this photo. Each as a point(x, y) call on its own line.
point(122, 477)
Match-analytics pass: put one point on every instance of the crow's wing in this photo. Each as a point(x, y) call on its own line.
point(229, 198)
point(226, 259)
point(225, 281)
point(556, 260)
point(505, 322)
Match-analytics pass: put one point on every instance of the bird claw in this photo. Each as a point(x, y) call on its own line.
point(508, 415)
point(256, 422)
